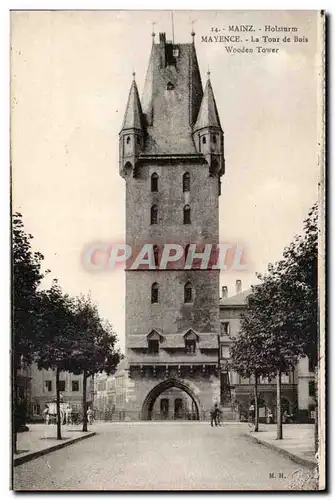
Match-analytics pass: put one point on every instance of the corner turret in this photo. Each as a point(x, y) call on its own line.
point(131, 137)
point(207, 132)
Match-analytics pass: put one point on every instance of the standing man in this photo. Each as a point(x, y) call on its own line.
point(214, 415)
point(90, 416)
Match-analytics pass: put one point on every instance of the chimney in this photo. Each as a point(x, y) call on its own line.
point(238, 286)
point(224, 292)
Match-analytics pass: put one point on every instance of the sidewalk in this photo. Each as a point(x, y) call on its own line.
point(297, 442)
point(42, 439)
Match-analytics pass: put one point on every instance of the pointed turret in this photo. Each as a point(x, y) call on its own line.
point(207, 132)
point(132, 132)
point(133, 116)
point(208, 115)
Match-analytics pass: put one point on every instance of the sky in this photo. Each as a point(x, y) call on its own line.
point(70, 76)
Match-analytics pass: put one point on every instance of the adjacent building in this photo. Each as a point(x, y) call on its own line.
point(297, 385)
point(43, 390)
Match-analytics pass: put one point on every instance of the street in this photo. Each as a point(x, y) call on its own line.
point(161, 456)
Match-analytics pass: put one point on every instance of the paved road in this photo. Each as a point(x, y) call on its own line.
point(160, 456)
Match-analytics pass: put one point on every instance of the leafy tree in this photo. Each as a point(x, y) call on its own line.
point(282, 312)
point(93, 347)
point(248, 357)
point(56, 333)
point(26, 277)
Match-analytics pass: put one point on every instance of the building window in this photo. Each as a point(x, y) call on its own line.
point(48, 385)
point(62, 385)
point(188, 292)
point(186, 182)
point(154, 293)
point(154, 183)
point(154, 214)
point(204, 140)
point(187, 214)
point(187, 248)
point(156, 255)
point(225, 328)
point(153, 346)
point(128, 140)
point(75, 385)
point(170, 86)
point(311, 388)
point(214, 139)
point(138, 139)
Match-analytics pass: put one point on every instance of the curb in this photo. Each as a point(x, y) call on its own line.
point(300, 460)
point(39, 453)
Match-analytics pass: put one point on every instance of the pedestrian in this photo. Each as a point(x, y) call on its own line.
point(251, 413)
point(214, 415)
point(90, 416)
point(68, 414)
point(46, 415)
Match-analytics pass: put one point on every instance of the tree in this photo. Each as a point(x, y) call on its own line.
point(282, 312)
point(248, 356)
point(26, 277)
point(93, 347)
point(56, 333)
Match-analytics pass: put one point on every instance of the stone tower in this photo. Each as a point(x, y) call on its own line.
point(171, 157)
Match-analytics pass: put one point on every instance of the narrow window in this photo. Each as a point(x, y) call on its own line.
point(48, 385)
point(189, 346)
point(186, 251)
point(138, 140)
point(187, 214)
point(153, 346)
point(156, 255)
point(62, 385)
point(186, 182)
point(75, 385)
point(188, 292)
point(154, 183)
point(154, 293)
point(204, 140)
point(214, 139)
point(154, 214)
point(311, 388)
point(128, 140)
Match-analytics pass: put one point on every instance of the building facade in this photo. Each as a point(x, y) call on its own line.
point(111, 394)
point(297, 385)
point(171, 158)
point(43, 390)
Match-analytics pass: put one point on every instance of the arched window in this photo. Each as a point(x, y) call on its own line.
point(188, 292)
point(154, 214)
point(154, 183)
point(154, 293)
point(186, 182)
point(187, 214)
point(128, 139)
point(190, 342)
point(214, 139)
point(156, 255)
point(204, 140)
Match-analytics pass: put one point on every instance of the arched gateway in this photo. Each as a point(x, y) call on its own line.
point(146, 413)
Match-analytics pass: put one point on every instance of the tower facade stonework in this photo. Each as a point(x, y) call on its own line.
point(171, 157)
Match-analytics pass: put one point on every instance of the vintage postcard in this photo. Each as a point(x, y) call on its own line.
point(168, 250)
